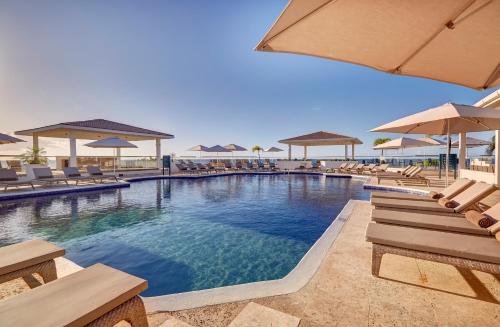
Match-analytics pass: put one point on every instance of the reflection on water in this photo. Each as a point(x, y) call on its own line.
point(188, 234)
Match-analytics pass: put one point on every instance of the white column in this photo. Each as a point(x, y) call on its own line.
point(462, 146)
point(289, 152)
point(35, 141)
point(305, 152)
point(352, 151)
point(72, 151)
point(497, 157)
point(158, 153)
point(345, 151)
point(118, 155)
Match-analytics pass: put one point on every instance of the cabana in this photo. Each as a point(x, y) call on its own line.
point(321, 139)
point(96, 129)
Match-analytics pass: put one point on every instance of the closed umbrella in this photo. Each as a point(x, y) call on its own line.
point(7, 139)
point(446, 119)
point(112, 142)
point(455, 41)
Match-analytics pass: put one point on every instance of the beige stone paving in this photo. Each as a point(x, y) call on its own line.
point(344, 293)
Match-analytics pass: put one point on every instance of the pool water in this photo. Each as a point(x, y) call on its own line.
point(184, 235)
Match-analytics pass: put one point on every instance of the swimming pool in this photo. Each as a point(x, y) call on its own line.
point(184, 235)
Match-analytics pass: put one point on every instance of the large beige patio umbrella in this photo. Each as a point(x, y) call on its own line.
point(235, 148)
point(217, 148)
point(200, 148)
point(447, 119)
point(401, 143)
point(471, 142)
point(112, 142)
point(455, 41)
point(7, 139)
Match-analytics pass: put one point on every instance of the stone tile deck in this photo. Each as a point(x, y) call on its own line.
point(344, 293)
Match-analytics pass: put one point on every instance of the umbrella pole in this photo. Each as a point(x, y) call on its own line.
point(114, 156)
point(447, 150)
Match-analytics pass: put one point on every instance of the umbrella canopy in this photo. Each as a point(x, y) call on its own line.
point(471, 142)
point(273, 149)
point(432, 141)
point(401, 143)
point(217, 148)
point(112, 142)
point(454, 41)
point(7, 139)
point(449, 118)
point(198, 148)
point(234, 147)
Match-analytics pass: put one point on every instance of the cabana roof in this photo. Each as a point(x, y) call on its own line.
point(321, 138)
point(95, 129)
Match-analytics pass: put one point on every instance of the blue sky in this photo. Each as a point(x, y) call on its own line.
point(188, 67)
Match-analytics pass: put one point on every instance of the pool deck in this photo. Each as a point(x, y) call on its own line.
point(343, 292)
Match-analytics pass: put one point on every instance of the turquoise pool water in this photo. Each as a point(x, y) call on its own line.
point(184, 235)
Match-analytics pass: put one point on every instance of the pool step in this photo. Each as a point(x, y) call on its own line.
point(174, 322)
point(256, 315)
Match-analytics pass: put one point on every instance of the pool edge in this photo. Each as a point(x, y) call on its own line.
point(292, 282)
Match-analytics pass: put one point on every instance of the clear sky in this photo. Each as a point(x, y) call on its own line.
point(188, 67)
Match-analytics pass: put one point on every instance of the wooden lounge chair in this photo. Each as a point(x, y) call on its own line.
point(333, 170)
point(43, 175)
point(8, 178)
point(347, 168)
point(458, 186)
point(26, 258)
point(97, 173)
point(368, 169)
point(95, 296)
point(427, 221)
point(402, 172)
point(460, 250)
point(465, 200)
point(73, 174)
point(412, 176)
point(357, 169)
point(379, 169)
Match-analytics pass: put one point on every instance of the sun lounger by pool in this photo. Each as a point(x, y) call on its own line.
point(73, 174)
point(44, 175)
point(460, 250)
point(9, 178)
point(26, 258)
point(333, 170)
point(96, 173)
point(357, 169)
point(95, 296)
point(458, 186)
point(411, 176)
point(347, 168)
point(461, 202)
point(402, 172)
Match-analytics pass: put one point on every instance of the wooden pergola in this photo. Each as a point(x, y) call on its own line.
point(321, 139)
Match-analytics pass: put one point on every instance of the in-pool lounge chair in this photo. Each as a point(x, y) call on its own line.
point(95, 296)
point(467, 199)
point(449, 192)
point(460, 250)
point(73, 174)
point(97, 173)
point(43, 175)
point(26, 258)
point(8, 178)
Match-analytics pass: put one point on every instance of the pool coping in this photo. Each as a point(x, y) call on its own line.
point(400, 189)
point(61, 190)
point(291, 283)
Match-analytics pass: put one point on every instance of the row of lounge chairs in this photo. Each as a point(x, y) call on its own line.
point(44, 176)
point(359, 168)
point(95, 296)
point(448, 227)
point(190, 167)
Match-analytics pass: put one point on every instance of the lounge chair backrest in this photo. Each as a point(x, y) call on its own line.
point(414, 172)
point(42, 173)
point(71, 172)
point(343, 165)
point(406, 169)
point(409, 171)
point(383, 167)
point(472, 195)
point(494, 211)
point(458, 186)
point(351, 165)
point(370, 166)
point(359, 166)
point(8, 175)
point(94, 170)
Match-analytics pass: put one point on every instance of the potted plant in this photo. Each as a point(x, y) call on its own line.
point(33, 158)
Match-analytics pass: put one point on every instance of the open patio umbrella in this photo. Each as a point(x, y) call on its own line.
point(111, 142)
point(471, 142)
point(235, 148)
point(200, 148)
point(454, 41)
point(432, 141)
point(273, 149)
point(446, 119)
point(217, 149)
point(401, 143)
point(7, 139)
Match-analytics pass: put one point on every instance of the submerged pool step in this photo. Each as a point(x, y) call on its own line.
point(261, 316)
